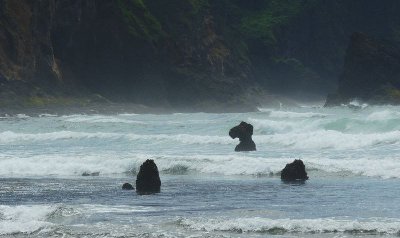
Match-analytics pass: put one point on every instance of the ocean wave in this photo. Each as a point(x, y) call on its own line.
point(65, 165)
point(12, 137)
point(24, 219)
point(48, 115)
point(22, 116)
point(357, 104)
point(185, 138)
point(100, 119)
point(295, 115)
point(259, 166)
point(71, 165)
point(329, 139)
point(61, 212)
point(231, 164)
point(374, 123)
point(320, 139)
point(383, 115)
point(267, 126)
point(377, 226)
point(43, 220)
point(385, 168)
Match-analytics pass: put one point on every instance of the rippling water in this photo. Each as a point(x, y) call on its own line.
point(208, 190)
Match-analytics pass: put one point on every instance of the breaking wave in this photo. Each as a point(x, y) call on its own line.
point(24, 219)
point(100, 119)
point(278, 226)
point(338, 140)
point(8, 137)
point(109, 163)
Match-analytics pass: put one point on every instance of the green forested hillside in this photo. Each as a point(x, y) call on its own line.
point(179, 53)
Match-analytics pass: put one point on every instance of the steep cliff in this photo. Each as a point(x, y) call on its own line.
point(151, 52)
point(371, 73)
point(26, 54)
point(305, 46)
point(188, 54)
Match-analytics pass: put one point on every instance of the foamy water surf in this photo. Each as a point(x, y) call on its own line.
point(372, 226)
point(208, 190)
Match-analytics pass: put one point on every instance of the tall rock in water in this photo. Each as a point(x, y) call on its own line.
point(243, 131)
point(148, 179)
point(371, 73)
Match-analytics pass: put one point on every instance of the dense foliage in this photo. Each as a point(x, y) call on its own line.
point(182, 51)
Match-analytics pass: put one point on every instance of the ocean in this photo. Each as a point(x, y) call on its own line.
point(351, 155)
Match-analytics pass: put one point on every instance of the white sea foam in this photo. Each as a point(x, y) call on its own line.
point(247, 165)
point(128, 114)
point(7, 137)
point(185, 138)
point(288, 114)
point(100, 119)
point(11, 137)
point(285, 126)
point(90, 209)
point(24, 219)
point(111, 164)
point(64, 165)
point(355, 104)
point(383, 115)
point(38, 219)
point(267, 225)
point(47, 115)
point(283, 138)
point(373, 167)
point(232, 164)
point(22, 116)
point(221, 164)
point(329, 139)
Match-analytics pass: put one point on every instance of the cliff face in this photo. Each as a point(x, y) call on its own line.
point(179, 53)
point(152, 52)
point(26, 53)
point(371, 73)
point(306, 46)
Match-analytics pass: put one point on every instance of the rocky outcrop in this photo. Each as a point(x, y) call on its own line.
point(127, 186)
point(187, 55)
point(244, 132)
point(371, 73)
point(294, 171)
point(127, 51)
point(28, 68)
point(148, 179)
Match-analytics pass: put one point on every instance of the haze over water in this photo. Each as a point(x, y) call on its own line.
point(208, 190)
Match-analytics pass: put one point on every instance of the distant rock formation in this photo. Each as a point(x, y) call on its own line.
point(294, 171)
point(127, 186)
point(371, 73)
point(243, 131)
point(148, 179)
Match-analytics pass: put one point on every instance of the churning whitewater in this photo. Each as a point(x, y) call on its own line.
point(208, 190)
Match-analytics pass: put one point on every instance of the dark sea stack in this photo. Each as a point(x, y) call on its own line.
point(243, 131)
point(294, 171)
point(148, 179)
point(371, 73)
point(127, 186)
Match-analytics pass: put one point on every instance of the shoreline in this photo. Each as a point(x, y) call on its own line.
point(106, 107)
point(117, 108)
